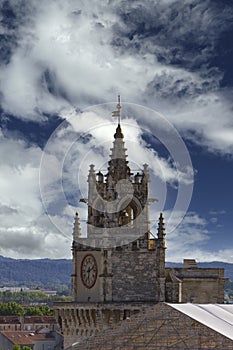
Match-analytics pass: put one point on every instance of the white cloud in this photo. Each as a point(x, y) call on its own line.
point(214, 220)
point(192, 231)
point(224, 255)
point(25, 229)
point(217, 212)
point(19, 181)
point(190, 240)
point(67, 55)
point(75, 49)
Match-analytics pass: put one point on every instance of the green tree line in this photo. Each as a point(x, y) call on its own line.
point(30, 297)
point(15, 309)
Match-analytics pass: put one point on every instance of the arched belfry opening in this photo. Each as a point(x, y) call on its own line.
point(129, 212)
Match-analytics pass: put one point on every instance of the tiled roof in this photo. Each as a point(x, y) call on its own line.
point(25, 337)
point(27, 320)
point(10, 320)
point(39, 319)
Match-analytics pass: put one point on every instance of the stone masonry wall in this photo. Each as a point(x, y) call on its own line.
point(201, 291)
point(135, 275)
point(81, 320)
point(158, 327)
point(200, 285)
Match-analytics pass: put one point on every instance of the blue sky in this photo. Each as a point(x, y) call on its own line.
point(62, 66)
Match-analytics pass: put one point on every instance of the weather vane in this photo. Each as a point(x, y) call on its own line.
point(117, 113)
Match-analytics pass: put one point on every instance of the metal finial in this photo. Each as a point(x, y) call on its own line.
point(117, 113)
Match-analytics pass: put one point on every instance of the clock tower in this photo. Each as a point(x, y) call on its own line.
point(118, 268)
point(117, 257)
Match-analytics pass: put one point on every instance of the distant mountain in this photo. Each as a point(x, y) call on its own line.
point(35, 273)
point(50, 273)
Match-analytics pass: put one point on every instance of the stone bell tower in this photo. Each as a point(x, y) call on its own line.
point(118, 257)
point(118, 267)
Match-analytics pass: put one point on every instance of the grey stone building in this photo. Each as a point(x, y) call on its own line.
point(118, 269)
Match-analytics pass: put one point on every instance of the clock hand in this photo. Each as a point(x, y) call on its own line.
point(89, 269)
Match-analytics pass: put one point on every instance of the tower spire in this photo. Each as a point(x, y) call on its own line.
point(76, 229)
point(161, 229)
point(118, 165)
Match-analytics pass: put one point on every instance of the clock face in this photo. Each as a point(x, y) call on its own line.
point(89, 271)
